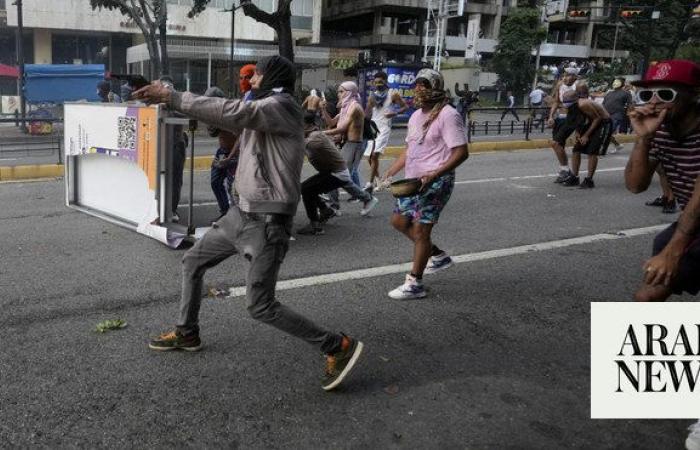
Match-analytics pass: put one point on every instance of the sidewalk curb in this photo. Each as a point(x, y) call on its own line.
point(38, 171)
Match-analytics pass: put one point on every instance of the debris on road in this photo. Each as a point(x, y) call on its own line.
point(107, 325)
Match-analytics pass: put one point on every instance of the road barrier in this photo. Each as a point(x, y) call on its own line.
point(533, 122)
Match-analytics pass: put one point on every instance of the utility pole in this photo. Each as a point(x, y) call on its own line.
point(650, 40)
point(20, 63)
point(232, 80)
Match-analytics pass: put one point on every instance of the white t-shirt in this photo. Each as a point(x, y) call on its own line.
point(536, 96)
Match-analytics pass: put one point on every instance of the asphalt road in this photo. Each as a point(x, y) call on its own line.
point(496, 357)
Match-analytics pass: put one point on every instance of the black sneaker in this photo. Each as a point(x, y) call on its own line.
point(173, 340)
point(658, 201)
point(311, 230)
point(563, 176)
point(587, 183)
point(339, 365)
point(571, 181)
point(670, 206)
point(326, 214)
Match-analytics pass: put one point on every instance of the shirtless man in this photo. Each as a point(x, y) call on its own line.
point(557, 120)
point(346, 129)
point(312, 102)
point(593, 130)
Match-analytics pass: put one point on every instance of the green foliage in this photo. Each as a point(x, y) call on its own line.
point(689, 51)
point(662, 36)
point(513, 61)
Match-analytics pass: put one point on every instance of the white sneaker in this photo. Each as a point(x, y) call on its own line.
point(411, 288)
point(369, 206)
point(693, 440)
point(438, 263)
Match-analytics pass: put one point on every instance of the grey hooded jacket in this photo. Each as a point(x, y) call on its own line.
point(271, 150)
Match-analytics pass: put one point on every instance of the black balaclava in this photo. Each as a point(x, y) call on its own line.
point(278, 73)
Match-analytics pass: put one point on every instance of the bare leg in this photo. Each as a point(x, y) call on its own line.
point(373, 161)
point(422, 247)
point(575, 163)
point(592, 165)
point(402, 224)
point(560, 153)
point(665, 186)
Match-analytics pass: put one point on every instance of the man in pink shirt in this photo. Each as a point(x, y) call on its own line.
point(436, 144)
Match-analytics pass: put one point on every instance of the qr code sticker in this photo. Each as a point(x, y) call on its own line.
point(127, 133)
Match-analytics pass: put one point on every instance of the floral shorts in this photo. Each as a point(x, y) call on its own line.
point(425, 207)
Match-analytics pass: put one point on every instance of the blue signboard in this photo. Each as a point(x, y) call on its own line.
point(58, 83)
point(402, 79)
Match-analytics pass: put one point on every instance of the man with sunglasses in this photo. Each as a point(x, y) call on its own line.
point(666, 120)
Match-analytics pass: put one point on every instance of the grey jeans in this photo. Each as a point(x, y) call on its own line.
point(352, 153)
point(264, 245)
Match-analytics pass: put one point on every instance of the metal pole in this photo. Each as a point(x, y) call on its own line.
point(190, 209)
point(20, 63)
point(209, 71)
point(617, 28)
point(232, 84)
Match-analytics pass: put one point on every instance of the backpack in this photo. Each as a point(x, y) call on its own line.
point(369, 130)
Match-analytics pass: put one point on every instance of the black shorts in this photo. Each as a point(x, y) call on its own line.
point(598, 142)
point(562, 130)
point(688, 278)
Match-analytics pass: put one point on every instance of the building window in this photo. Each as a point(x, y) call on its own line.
point(79, 49)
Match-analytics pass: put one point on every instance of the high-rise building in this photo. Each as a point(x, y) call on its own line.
point(394, 30)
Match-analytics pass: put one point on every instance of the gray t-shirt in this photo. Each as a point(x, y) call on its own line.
point(616, 102)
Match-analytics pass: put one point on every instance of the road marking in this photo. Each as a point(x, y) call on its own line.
point(530, 177)
point(459, 259)
point(481, 180)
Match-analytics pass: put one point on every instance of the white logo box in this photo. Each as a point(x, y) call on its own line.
point(649, 385)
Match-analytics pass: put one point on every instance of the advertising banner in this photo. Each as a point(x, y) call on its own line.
point(401, 79)
point(111, 156)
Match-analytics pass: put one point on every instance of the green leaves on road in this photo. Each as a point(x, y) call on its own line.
point(107, 325)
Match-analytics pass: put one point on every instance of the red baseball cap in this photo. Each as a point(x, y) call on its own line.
point(673, 71)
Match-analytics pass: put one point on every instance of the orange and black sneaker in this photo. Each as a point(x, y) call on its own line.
point(339, 364)
point(173, 340)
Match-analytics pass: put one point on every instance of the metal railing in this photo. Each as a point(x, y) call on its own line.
point(28, 145)
point(533, 120)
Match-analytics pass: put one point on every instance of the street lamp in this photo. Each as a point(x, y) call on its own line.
point(20, 62)
point(232, 81)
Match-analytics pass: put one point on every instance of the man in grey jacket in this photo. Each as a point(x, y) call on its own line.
point(268, 185)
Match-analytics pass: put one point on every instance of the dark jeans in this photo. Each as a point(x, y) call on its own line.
point(264, 244)
point(510, 110)
point(179, 157)
point(221, 180)
point(312, 187)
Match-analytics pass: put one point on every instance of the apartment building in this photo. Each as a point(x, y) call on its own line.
point(394, 30)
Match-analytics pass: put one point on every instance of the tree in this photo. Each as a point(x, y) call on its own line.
point(278, 21)
point(519, 35)
point(151, 16)
point(641, 34)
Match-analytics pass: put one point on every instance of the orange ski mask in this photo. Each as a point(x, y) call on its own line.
point(245, 75)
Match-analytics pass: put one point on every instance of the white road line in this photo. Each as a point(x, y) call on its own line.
point(466, 258)
point(530, 177)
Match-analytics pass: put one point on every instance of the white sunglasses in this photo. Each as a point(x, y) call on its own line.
point(666, 95)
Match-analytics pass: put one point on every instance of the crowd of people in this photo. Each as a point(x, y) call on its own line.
point(270, 133)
